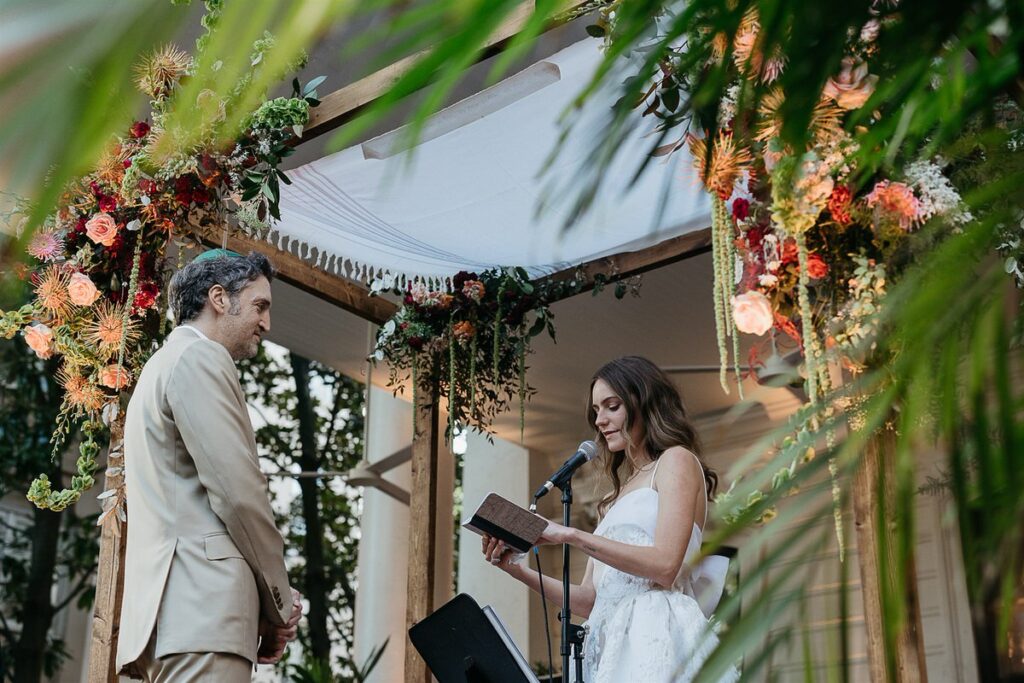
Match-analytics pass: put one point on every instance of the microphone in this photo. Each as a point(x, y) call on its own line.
point(584, 453)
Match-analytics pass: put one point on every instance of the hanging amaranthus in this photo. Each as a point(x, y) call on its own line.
point(722, 289)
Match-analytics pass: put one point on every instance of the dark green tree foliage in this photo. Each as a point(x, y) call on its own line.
point(44, 547)
point(309, 419)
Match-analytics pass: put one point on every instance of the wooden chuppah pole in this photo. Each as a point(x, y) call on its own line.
point(873, 490)
point(423, 525)
point(110, 571)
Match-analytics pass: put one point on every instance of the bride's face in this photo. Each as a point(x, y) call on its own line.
point(610, 417)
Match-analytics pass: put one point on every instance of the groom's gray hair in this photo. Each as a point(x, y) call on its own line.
point(190, 285)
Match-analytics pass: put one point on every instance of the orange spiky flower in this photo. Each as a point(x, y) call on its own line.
point(107, 329)
point(52, 291)
point(79, 391)
point(727, 161)
point(110, 168)
point(157, 74)
point(826, 119)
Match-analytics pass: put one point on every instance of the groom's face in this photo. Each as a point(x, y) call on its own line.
point(247, 319)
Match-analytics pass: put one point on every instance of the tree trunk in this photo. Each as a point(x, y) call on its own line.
point(37, 609)
point(315, 575)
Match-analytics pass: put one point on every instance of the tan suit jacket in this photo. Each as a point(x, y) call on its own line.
point(204, 558)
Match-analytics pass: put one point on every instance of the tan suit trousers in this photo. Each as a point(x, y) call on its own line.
point(189, 667)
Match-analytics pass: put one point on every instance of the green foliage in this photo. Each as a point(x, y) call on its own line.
point(29, 403)
point(337, 406)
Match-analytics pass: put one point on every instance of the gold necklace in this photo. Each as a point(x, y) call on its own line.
point(638, 470)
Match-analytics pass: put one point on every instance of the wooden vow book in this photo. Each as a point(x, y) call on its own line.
point(517, 527)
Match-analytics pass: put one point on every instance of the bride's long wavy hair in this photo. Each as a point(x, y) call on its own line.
point(650, 397)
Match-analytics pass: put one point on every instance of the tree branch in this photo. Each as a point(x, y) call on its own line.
point(76, 591)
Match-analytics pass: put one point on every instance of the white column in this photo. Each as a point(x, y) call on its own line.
point(501, 467)
point(384, 543)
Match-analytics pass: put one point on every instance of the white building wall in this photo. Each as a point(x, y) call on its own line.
point(384, 543)
point(502, 468)
point(384, 540)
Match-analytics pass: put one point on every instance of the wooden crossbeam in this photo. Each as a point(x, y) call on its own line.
point(334, 289)
point(342, 105)
point(629, 263)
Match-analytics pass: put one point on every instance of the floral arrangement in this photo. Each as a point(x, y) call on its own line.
point(471, 341)
point(98, 262)
point(804, 243)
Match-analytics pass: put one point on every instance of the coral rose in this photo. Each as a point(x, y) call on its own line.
point(474, 289)
point(115, 377)
point(102, 229)
point(82, 291)
point(39, 338)
point(463, 331)
point(816, 267)
point(752, 312)
point(853, 86)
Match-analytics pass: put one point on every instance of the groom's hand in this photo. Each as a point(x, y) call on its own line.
point(293, 620)
point(273, 641)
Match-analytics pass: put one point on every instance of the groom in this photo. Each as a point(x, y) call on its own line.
point(206, 592)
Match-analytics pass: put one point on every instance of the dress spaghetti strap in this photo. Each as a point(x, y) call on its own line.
point(704, 480)
point(654, 471)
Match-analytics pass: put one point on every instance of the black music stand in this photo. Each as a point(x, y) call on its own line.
point(461, 645)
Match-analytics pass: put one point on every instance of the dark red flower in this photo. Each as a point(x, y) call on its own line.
point(200, 196)
point(416, 343)
point(115, 247)
point(755, 237)
point(146, 296)
point(461, 278)
point(127, 163)
point(108, 203)
point(182, 184)
point(140, 129)
point(148, 186)
point(740, 208)
point(95, 187)
point(184, 198)
point(208, 162)
point(80, 225)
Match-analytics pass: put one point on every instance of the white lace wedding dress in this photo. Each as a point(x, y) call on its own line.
point(638, 631)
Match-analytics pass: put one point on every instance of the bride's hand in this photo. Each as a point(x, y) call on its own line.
point(555, 533)
point(499, 554)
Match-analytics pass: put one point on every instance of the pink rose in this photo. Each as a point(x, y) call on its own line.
point(82, 291)
point(752, 312)
point(853, 86)
point(102, 229)
point(109, 376)
point(39, 338)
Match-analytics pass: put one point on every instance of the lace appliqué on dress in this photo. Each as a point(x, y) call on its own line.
point(638, 631)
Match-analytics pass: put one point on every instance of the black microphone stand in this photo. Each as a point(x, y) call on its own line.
point(572, 635)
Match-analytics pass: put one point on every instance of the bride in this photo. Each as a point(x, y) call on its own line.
point(639, 590)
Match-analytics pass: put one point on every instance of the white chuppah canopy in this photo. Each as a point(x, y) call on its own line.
point(467, 197)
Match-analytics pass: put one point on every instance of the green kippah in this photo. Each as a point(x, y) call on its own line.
point(216, 253)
